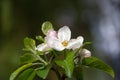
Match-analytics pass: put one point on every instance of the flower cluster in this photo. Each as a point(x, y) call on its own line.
point(60, 40)
point(59, 53)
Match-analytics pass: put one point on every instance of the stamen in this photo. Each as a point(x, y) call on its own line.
point(65, 43)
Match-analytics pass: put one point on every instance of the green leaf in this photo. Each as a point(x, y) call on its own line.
point(86, 43)
point(28, 58)
point(40, 38)
point(40, 53)
point(67, 64)
point(16, 72)
point(28, 74)
point(43, 73)
point(78, 73)
point(29, 44)
point(98, 64)
point(46, 26)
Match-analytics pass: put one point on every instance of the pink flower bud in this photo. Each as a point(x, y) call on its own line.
point(86, 53)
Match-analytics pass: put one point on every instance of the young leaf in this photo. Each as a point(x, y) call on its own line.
point(29, 44)
point(28, 74)
point(86, 43)
point(16, 72)
point(28, 58)
point(40, 38)
point(67, 64)
point(40, 53)
point(98, 64)
point(46, 26)
point(43, 73)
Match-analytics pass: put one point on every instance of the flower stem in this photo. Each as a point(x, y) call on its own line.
point(42, 60)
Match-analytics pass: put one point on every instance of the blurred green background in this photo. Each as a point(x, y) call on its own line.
point(23, 18)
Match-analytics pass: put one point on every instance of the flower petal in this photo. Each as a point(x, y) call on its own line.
point(43, 47)
point(54, 43)
point(64, 34)
point(52, 33)
point(50, 40)
point(58, 46)
point(75, 43)
point(80, 38)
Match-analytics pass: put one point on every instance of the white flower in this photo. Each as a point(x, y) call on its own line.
point(62, 40)
point(43, 47)
point(86, 53)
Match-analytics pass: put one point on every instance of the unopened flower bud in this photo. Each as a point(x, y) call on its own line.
point(86, 53)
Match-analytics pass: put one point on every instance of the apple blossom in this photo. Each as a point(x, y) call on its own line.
point(43, 46)
point(63, 41)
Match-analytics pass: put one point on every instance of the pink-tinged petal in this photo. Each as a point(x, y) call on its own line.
point(43, 47)
point(52, 33)
point(75, 43)
point(64, 34)
point(58, 46)
point(50, 40)
point(86, 53)
point(54, 43)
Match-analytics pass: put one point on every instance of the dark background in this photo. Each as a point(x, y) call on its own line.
point(23, 18)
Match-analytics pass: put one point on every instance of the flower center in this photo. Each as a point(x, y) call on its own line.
point(65, 43)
